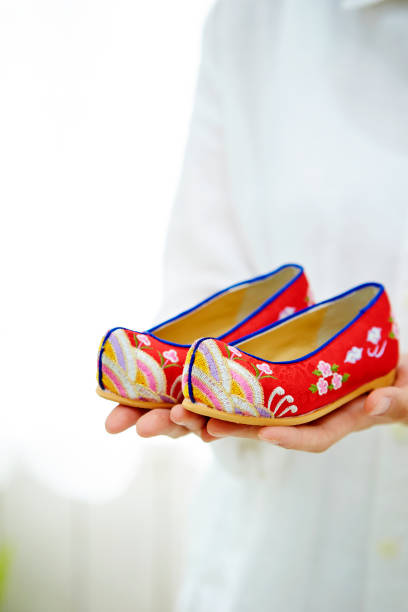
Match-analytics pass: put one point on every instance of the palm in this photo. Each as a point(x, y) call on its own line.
point(321, 434)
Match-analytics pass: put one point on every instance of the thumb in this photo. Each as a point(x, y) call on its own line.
point(389, 402)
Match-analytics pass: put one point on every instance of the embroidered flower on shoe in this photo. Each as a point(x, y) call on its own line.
point(354, 354)
point(324, 383)
point(286, 312)
point(264, 367)
point(235, 351)
point(374, 335)
point(171, 355)
point(309, 299)
point(322, 386)
point(324, 368)
point(337, 380)
point(143, 339)
point(394, 333)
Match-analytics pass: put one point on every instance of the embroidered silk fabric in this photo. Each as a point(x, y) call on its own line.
point(228, 380)
point(298, 152)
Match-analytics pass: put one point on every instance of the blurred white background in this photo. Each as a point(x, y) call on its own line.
point(95, 100)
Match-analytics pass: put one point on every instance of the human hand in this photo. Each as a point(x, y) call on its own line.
point(157, 422)
point(381, 406)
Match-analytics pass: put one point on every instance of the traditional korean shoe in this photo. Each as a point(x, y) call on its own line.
point(300, 369)
point(144, 369)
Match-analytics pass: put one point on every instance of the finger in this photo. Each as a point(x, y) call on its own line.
point(205, 435)
point(389, 404)
point(222, 429)
point(181, 416)
point(195, 423)
point(157, 422)
point(318, 436)
point(121, 418)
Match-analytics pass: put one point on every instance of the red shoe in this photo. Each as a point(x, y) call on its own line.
point(297, 370)
point(144, 369)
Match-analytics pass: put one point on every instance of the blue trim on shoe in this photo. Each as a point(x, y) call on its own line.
point(190, 368)
point(202, 303)
point(218, 293)
point(302, 312)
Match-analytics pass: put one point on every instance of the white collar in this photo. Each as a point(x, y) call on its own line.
point(357, 4)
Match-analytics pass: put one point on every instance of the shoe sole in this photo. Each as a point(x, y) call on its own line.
point(204, 410)
point(129, 402)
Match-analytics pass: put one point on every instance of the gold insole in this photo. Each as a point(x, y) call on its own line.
point(222, 313)
point(299, 336)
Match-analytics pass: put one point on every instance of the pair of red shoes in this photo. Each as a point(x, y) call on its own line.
point(257, 353)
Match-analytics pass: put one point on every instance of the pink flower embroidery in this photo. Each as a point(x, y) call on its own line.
point(337, 381)
point(322, 386)
point(264, 367)
point(374, 335)
point(354, 354)
point(329, 377)
point(309, 297)
point(235, 351)
point(395, 330)
point(171, 355)
point(325, 369)
point(394, 333)
point(143, 339)
point(286, 312)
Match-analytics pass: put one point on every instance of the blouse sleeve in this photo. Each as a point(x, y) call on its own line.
point(203, 251)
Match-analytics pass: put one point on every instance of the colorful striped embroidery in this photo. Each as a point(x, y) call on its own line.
point(130, 371)
point(225, 384)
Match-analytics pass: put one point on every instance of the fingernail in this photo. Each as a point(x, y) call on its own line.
point(382, 406)
point(217, 435)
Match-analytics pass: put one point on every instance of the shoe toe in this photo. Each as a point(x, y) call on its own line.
point(127, 369)
point(220, 376)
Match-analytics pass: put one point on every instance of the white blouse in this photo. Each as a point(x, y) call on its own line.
point(298, 152)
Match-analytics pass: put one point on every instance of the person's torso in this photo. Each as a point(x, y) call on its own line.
point(315, 103)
